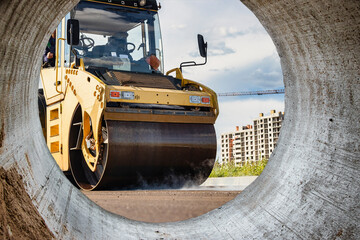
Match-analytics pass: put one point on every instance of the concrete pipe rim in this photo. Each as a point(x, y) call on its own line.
point(308, 190)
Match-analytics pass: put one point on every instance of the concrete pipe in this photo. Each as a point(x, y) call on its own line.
point(310, 188)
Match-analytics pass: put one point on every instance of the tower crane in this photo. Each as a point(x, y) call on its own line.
point(261, 92)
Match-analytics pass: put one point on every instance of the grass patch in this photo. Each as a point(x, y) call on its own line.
point(230, 170)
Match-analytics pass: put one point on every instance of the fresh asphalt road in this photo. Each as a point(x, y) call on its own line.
point(169, 205)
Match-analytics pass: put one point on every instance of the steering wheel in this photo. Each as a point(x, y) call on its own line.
point(85, 43)
point(133, 47)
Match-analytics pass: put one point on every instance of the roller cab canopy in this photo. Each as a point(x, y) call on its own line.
point(140, 4)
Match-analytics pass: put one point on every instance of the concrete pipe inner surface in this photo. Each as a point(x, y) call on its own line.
point(310, 188)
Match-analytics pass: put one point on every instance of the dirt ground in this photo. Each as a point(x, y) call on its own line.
point(19, 219)
point(161, 205)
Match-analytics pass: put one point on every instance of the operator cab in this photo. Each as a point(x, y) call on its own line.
point(119, 38)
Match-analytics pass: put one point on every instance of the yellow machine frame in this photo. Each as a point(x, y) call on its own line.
point(67, 87)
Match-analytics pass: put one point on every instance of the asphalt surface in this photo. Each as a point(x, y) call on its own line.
point(161, 205)
point(168, 205)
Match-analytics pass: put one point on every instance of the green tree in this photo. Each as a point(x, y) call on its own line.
point(228, 169)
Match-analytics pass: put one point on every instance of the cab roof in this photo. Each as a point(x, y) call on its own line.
point(148, 4)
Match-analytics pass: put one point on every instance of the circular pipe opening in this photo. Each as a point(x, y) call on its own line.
point(299, 195)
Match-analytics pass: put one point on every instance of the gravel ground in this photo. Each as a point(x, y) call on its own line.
point(161, 205)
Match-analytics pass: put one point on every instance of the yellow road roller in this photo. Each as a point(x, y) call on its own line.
point(111, 116)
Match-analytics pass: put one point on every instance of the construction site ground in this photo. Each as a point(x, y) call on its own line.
point(160, 205)
point(170, 205)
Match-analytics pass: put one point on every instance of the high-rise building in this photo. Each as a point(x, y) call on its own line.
point(252, 142)
point(227, 147)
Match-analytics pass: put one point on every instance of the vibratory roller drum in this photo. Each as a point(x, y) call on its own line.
point(137, 154)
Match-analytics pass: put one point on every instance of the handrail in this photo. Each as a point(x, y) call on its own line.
point(178, 75)
point(57, 65)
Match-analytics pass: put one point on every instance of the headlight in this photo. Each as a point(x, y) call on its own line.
point(195, 99)
point(199, 100)
point(142, 3)
point(128, 95)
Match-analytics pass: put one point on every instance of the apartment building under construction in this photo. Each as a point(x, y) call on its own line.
point(252, 142)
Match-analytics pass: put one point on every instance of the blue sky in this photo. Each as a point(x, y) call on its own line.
point(241, 55)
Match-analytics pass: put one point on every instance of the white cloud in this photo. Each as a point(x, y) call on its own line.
point(178, 26)
point(235, 37)
point(219, 50)
point(219, 23)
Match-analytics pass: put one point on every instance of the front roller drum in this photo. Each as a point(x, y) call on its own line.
point(171, 154)
point(142, 154)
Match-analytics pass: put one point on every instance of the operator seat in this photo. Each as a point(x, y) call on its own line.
point(98, 51)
